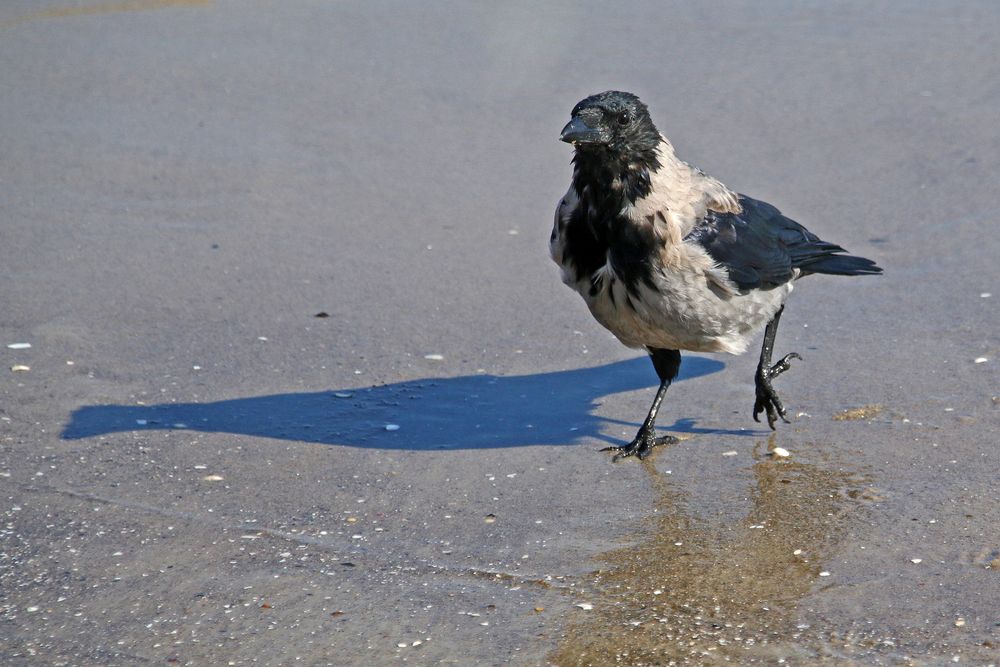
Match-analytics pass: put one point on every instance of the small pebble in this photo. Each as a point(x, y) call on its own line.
point(401, 644)
point(196, 368)
point(416, 642)
point(981, 360)
point(985, 295)
point(824, 574)
point(780, 452)
point(213, 478)
point(797, 552)
point(657, 592)
point(539, 609)
point(19, 346)
point(392, 427)
point(490, 518)
point(959, 622)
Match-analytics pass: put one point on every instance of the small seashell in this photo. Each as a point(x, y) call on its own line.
point(586, 606)
point(20, 368)
point(780, 452)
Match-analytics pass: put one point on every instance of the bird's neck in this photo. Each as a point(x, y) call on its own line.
point(611, 180)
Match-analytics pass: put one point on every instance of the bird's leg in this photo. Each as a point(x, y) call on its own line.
point(767, 398)
point(667, 363)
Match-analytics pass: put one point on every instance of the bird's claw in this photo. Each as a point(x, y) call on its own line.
point(641, 446)
point(768, 400)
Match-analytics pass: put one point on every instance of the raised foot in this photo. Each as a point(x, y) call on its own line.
point(767, 398)
point(641, 446)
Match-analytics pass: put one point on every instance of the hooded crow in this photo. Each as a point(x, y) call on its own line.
point(668, 258)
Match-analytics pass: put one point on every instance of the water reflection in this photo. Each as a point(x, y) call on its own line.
point(698, 593)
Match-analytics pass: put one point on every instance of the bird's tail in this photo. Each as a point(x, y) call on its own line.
point(843, 265)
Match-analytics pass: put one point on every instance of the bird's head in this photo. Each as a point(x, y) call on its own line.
point(617, 146)
point(613, 124)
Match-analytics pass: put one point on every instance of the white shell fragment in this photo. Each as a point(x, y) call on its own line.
point(780, 452)
point(392, 427)
point(824, 574)
point(916, 561)
point(213, 478)
point(343, 394)
point(731, 452)
point(19, 346)
point(586, 606)
point(434, 357)
point(20, 368)
point(981, 360)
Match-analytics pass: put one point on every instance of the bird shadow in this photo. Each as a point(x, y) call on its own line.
point(466, 412)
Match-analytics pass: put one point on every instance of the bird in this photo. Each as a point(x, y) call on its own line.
point(669, 258)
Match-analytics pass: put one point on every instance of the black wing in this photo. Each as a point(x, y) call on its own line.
point(760, 248)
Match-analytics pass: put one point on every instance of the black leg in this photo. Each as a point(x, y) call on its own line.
point(667, 363)
point(767, 398)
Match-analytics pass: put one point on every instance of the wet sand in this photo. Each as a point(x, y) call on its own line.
point(198, 469)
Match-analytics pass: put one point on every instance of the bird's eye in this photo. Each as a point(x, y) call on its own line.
point(624, 118)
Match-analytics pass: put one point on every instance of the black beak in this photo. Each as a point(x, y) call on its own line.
point(578, 132)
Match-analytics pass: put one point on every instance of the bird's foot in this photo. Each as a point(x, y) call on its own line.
point(641, 446)
point(767, 398)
